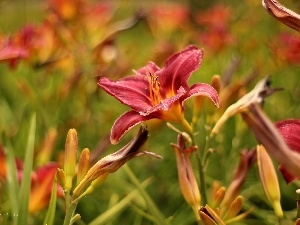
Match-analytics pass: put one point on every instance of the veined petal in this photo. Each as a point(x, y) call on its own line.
point(179, 67)
point(290, 131)
point(124, 123)
point(151, 67)
point(132, 91)
point(205, 90)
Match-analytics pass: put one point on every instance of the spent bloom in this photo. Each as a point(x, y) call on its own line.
point(283, 14)
point(247, 159)
point(155, 92)
point(187, 181)
point(257, 95)
point(111, 163)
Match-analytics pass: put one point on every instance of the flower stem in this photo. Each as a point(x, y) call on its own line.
point(202, 180)
point(186, 126)
point(298, 203)
point(70, 209)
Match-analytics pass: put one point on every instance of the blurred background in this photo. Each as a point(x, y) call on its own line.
point(58, 49)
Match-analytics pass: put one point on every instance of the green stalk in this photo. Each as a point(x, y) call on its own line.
point(153, 209)
point(12, 180)
point(298, 203)
point(26, 180)
point(49, 219)
point(202, 180)
point(70, 209)
point(112, 212)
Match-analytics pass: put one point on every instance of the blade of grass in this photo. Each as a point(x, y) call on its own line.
point(12, 179)
point(111, 213)
point(52, 204)
point(153, 209)
point(26, 179)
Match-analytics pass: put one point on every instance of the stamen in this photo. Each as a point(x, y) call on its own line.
point(154, 86)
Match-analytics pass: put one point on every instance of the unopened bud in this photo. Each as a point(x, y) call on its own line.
point(234, 208)
point(70, 157)
point(61, 177)
point(269, 179)
point(83, 164)
point(218, 197)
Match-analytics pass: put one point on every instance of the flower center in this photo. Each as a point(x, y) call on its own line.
point(154, 86)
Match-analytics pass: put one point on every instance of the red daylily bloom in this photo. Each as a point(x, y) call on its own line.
point(41, 187)
point(155, 92)
point(11, 52)
point(290, 131)
point(41, 182)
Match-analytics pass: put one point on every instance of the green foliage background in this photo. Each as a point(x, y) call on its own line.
point(27, 89)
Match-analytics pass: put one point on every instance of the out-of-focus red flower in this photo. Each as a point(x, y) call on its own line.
point(34, 43)
point(3, 170)
point(41, 187)
point(168, 16)
point(41, 182)
point(38, 40)
point(11, 52)
point(287, 48)
point(66, 9)
point(290, 131)
point(215, 21)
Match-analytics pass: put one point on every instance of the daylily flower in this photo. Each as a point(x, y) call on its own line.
point(41, 187)
point(155, 92)
point(11, 52)
point(41, 182)
point(290, 131)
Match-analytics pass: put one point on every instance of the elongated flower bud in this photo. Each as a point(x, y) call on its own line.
point(61, 177)
point(83, 164)
point(218, 197)
point(70, 157)
point(269, 179)
point(234, 208)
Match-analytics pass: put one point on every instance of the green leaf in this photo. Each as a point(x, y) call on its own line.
point(152, 207)
point(52, 204)
point(26, 179)
point(12, 179)
point(111, 213)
